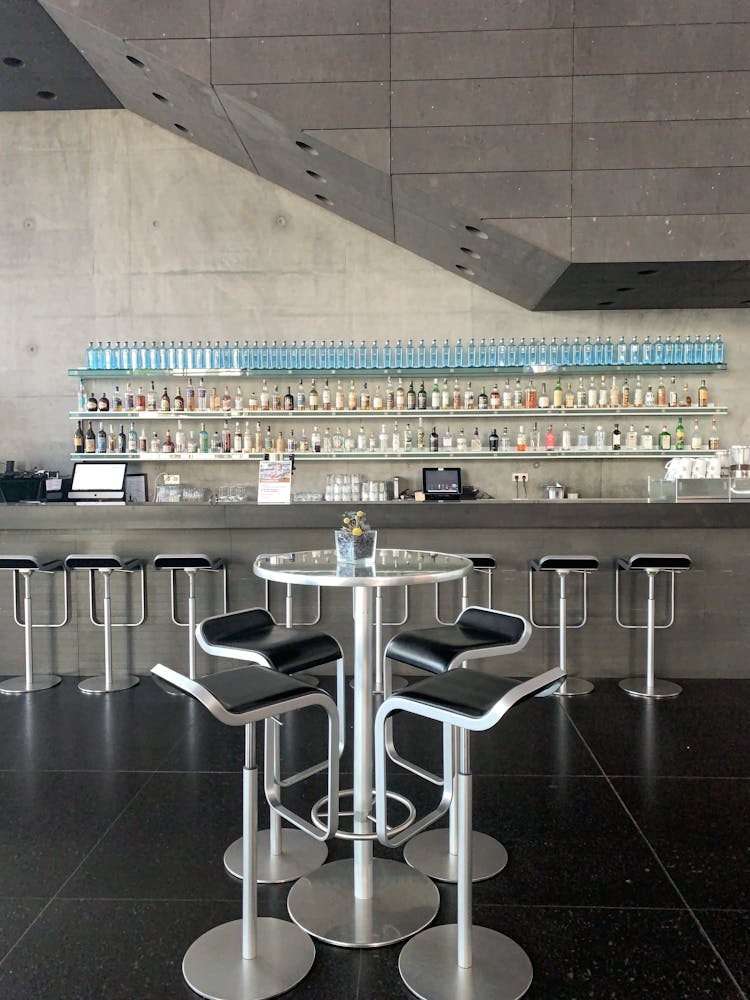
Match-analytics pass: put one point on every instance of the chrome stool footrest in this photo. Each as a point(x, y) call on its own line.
point(318, 812)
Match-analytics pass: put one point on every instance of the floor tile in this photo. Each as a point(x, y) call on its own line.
point(50, 820)
point(729, 932)
point(15, 917)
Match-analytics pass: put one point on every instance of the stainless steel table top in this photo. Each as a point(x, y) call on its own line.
point(392, 568)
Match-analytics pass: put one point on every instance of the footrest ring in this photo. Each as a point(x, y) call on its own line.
point(318, 811)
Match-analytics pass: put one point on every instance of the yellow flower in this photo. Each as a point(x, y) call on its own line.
point(346, 520)
point(359, 513)
point(356, 531)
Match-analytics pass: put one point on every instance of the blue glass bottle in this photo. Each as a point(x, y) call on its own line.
point(179, 355)
point(293, 355)
point(190, 356)
point(458, 354)
point(142, 360)
point(511, 353)
point(719, 350)
point(330, 354)
point(502, 353)
point(689, 351)
point(532, 354)
point(609, 351)
point(668, 351)
point(445, 354)
point(598, 351)
point(107, 356)
point(522, 353)
point(283, 355)
point(647, 351)
point(153, 356)
point(554, 352)
point(216, 356)
point(588, 352)
point(542, 353)
point(492, 354)
point(351, 355)
point(421, 354)
point(374, 355)
point(116, 355)
point(621, 352)
point(361, 361)
point(576, 352)
point(679, 351)
point(398, 354)
point(434, 354)
point(409, 354)
point(264, 356)
point(274, 355)
point(471, 353)
point(199, 355)
point(386, 355)
point(339, 355)
point(634, 352)
point(658, 353)
point(482, 353)
point(708, 351)
point(226, 355)
point(565, 352)
point(90, 356)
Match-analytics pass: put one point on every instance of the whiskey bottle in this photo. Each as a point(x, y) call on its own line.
point(713, 437)
point(483, 400)
point(703, 393)
point(351, 401)
point(92, 404)
point(377, 398)
point(661, 394)
point(696, 440)
point(101, 441)
point(570, 399)
point(339, 398)
point(78, 439)
point(122, 441)
point(179, 402)
point(276, 399)
point(165, 405)
point(495, 397)
point(103, 404)
point(89, 443)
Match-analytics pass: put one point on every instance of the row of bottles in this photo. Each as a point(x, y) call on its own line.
point(490, 353)
point(397, 439)
point(598, 394)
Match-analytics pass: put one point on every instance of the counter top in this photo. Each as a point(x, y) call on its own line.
point(405, 514)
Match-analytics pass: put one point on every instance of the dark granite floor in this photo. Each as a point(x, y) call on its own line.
point(627, 824)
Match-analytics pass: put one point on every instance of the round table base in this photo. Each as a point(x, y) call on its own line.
point(571, 687)
point(98, 685)
point(18, 685)
point(403, 902)
point(213, 965)
point(636, 686)
point(428, 853)
point(300, 855)
point(500, 968)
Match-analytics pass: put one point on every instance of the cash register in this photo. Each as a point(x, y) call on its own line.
point(98, 482)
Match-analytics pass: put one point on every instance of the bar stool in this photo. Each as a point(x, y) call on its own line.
point(457, 960)
point(483, 564)
point(477, 633)
point(253, 636)
point(564, 566)
point(191, 564)
point(289, 614)
point(254, 958)
point(25, 567)
point(650, 563)
point(105, 565)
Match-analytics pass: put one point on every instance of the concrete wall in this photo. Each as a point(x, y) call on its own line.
point(113, 229)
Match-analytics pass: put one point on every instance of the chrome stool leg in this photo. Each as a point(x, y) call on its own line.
point(105, 683)
point(651, 686)
point(28, 682)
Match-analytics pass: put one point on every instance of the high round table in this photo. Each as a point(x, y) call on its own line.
point(363, 902)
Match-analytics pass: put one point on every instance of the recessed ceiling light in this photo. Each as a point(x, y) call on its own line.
point(464, 269)
point(160, 97)
point(306, 147)
point(182, 128)
point(13, 62)
point(135, 62)
point(315, 176)
point(470, 253)
point(476, 232)
point(46, 95)
point(625, 288)
point(322, 197)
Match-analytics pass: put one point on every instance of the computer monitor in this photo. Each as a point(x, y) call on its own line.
point(98, 481)
point(440, 484)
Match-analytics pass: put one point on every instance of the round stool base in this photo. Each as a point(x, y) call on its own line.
point(213, 965)
point(500, 968)
point(573, 686)
point(636, 686)
point(18, 685)
point(428, 853)
point(98, 685)
point(403, 902)
point(300, 855)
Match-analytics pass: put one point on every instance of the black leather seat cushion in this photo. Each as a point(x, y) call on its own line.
point(481, 560)
point(244, 688)
point(287, 649)
point(434, 649)
point(465, 692)
point(108, 561)
point(656, 560)
point(576, 563)
point(29, 562)
point(177, 560)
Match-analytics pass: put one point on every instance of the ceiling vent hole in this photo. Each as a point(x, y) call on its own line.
point(464, 269)
point(181, 128)
point(46, 95)
point(625, 288)
point(306, 146)
point(135, 62)
point(12, 61)
point(470, 253)
point(476, 232)
point(608, 303)
point(649, 270)
point(160, 97)
point(322, 197)
point(315, 176)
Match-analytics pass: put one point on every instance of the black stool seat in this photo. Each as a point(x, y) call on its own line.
point(29, 562)
point(186, 560)
point(101, 561)
point(465, 692)
point(477, 632)
point(656, 560)
point(250, 687)
point(578, 564)
point(287, 650)
point(481, 560)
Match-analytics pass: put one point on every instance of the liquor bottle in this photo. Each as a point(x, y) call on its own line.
point(631, 438)
point(649, 399)
point(226, 400)
point(313, 398)
point(203, 440)
point(303, 444)
point(565, 440)
point(362, 438)
point(122, 441)
point(280, 445)
point(557, 394)
point(288, 399)
point(383, 441)
point(517, 394)
point(128, 400)
point(112, 440)
point(521, 439)
point(603, 392)
point(507, 396)
point(89, 443)
point(703, 393)
point(445, 396)
point(396, 437)
point(92, 403)
point(647, 439)
point(583, 438)
point(422, 397)
point(237, 440)
point(411, 397)
point(687, 399)
point(696, 440)
point(142, 440)
point(132, 439)
point(364, 397)
point(237, 405)
point(103, 403)
point(549, 438)
point(469, 397)
point(214, 400)
point(638, 392)
point(494, 442)
point(226, 439)
point(614, 393)
point(420, 436)
point(78, 439)
point(483, 400)
point(713, 437)
point(592, 397)
point(570, 399)
point(457, 400)
point(447, 439)
point(625, 394)
point(168, 446)
point(101, 441)
point(476, 441)
point(661, 394)
point(435, 399)
point(116, 400)
point(337, 441)
point(325, 396)
point(154, 445)
point(621, 352)
point(300, 399)
point(165, 404)
point(581, 396)
point(202, 395)
point(399, 396)
point(408, 438)
point(434, 440)
point(377, 398)
point(351, 398)
point(679, 435)
point(616, 438)
point(179, 402)
point(534, 437)
point(530, 396)
point(665, 439)
point(672, 398)
point(494, 397)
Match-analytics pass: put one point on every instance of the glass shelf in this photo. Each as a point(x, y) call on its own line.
point(418, 456)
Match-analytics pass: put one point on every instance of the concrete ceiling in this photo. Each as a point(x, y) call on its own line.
point(184, 66)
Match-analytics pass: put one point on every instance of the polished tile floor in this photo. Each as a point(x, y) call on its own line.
point(627, 825)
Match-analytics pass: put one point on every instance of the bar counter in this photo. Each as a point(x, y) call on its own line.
point(709, 638)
